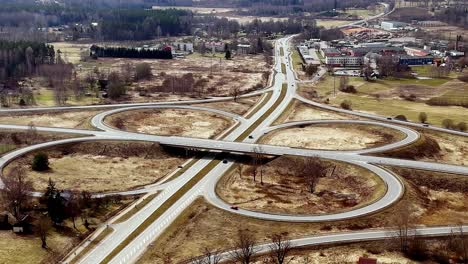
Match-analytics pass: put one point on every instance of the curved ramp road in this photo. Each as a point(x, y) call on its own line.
point(352, 237)
point(394, 191)
point(131, 237)
point(410, 135)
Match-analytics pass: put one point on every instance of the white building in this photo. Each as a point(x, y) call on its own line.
point(183, 46)
point(344, 61)
point(392, 25)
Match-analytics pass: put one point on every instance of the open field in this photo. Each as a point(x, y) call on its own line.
point(44, 97)
point(102, 166)
point(436, 147)
point(200, 124)
point(365, 13)
point(385, 97)
point(332, 137)
point(284, 189)
point(193, 231)
point(200, 10)
point(221, 75)
point(65, 119)
point(13, 139)
point(300, 112)
point(27, 249)
point(240, 107)
point(331, 23)
point(385, 251)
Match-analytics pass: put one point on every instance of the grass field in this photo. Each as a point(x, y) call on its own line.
point(27, 249)
point(390, 104)
point(329, 23)
point(296, 60)
point(45, 97)
point(4, 148)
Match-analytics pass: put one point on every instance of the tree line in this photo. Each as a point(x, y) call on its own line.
point(121, 52)
point(23, 58)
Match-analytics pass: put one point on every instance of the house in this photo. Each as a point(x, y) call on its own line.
point(183, 46)
point(215, 46)
point(363, 260)
point(243, 48)
point(344, 61)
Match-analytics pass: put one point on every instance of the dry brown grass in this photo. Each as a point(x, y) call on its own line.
point(204, 226)
point(333, 136)
point(27, 249)
point(300, 112)
point(240, 107)
point(13, 139)
point(172, 122)
point(68, 119)
point(285, 191)
point(102, 166)
point(436, 147)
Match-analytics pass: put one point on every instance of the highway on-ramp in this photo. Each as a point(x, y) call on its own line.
point(130, 238)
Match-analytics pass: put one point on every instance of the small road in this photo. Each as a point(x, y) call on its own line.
point(352, 237)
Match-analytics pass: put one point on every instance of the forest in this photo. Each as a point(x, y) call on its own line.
point(23, 58)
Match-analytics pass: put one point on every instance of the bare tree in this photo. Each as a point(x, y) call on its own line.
point(31, 133)
point(312, 169)
point(459, 243)
point(73, 207)
point(209, 257)
point(257, 159)
point(235, 92)
point(279, 249)
point(43, 228)
point(404, 223)
point(16, 190)
point(245, 248)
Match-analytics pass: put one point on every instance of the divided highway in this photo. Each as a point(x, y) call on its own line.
point(130, 238)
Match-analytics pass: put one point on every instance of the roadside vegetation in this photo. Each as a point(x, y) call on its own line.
point(14, 139)
point(393, 97)
point(48, 227)
point(424, 202)
point(294, 185)
point(333, 136)
point(99, 166)
point(64, 119)
point(190, 123)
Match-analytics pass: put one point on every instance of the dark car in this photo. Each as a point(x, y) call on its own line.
point(234, 208)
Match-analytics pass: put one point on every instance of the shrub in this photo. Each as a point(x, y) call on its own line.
point(462, 126)
point(463, 78)
point(143, 71)
point(423, 117)
point(348, 89)
point(401, 118)
point(346, 104)
point(40, 162)
point(448, 123)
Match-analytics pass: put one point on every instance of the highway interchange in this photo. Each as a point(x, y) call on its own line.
point(201, 178)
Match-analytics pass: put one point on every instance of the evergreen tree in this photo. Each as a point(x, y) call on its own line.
point(55, 203)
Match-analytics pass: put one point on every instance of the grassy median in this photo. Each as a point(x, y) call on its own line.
point(264, 116)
